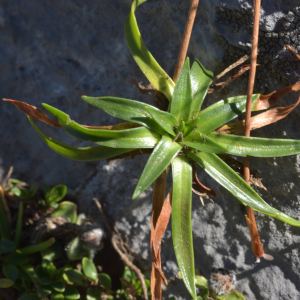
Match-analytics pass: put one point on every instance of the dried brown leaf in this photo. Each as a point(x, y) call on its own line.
point(261, 120)
point(266, 101)
point(33, 112)
point(162, 224)
point(200, 188)
point(159, 188)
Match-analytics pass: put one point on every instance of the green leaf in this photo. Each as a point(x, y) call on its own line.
point(129, 276)
point(16, 259)
point(30, 296)
point(19, 225)
point(75, 250)
point(42, 291)
point(160, 158)
point(42, 275)
point(200, 80)
point(57, 193)
point(233, 295)
point(66, 210)
point(49, 268)
point(55, 296)
point(203, 143)
point(105, 280)
point(5, 283)
point(222, 112)
point(181, 105)
point(225, 176)
point(7, 246)
point(151, 69)
point(93, 294)
point(71, 293)
point(76, 277)
point(129, 110)
point(51, 253)
point(22, 193)
point(201, 282)
point(165, 120)
point(59, 286)
point(89, 269)
point(10, 271)
point(181, 221)
point(140, 137)
point(82, 154)
point(258, 147)
point(36, 248)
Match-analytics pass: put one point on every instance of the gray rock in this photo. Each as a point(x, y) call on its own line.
point(56, 51)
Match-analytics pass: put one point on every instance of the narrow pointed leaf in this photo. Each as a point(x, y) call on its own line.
point(222, 112)
point(160, 158)
point(19, 225)
point(181, 221)
point(36, 248)
point(181, 105)
point(225, 176)
point(165, 120)
point(151, 69)
point(200, 80)
point(258, 147)
point(82, 154)
point(126, 109)
point(204, 143)
point(140, 137)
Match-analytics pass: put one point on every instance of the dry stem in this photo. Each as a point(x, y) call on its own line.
point(186, 38)
point(250, 212)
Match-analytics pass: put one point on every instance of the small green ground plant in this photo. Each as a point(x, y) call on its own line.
point(180, 138)
point(32, 272)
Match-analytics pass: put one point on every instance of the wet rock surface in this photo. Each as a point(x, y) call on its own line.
point(56, 51)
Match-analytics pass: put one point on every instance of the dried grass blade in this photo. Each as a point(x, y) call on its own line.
point(221, 85)
point(234, 65)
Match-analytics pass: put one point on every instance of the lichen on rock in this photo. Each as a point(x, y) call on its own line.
point(277, 64)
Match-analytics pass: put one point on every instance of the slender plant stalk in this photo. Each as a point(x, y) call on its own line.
point(186, 38)
point(159, 186)
point(250, 218)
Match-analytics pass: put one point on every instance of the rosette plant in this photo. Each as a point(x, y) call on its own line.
point(180, 137)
